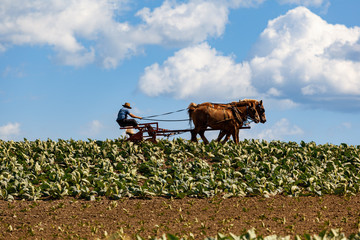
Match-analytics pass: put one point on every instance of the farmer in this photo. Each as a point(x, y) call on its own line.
point(122, 119)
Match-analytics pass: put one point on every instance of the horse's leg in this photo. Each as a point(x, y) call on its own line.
point(221, 135)
point(194, 132)
point(229, 131)
point(202, 134)
point(227, 137)
point(236, 135)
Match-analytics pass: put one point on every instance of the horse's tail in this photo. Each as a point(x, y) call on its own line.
point(191, 109)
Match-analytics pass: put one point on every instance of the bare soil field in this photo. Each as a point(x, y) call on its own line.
point(70, 218)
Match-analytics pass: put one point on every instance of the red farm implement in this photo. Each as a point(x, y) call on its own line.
point(149, 132)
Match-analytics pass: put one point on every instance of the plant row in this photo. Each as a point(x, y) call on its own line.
point(116, 168)
point(333, 234)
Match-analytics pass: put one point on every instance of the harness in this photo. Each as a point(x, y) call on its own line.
point(236, 113)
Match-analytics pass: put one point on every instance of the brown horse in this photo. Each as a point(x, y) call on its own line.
point(258, 105)
point(259, 108)
point(227, 118)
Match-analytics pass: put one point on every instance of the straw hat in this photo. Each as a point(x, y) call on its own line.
point(127, 105)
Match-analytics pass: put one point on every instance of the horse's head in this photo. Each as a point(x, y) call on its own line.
point(259, 108)
point(252, 113)
point(261, 111)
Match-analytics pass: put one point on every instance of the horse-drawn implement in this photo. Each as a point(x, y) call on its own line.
point(228, 118)
point(149, 132)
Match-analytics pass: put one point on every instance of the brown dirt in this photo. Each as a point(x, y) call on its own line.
point(78, 219)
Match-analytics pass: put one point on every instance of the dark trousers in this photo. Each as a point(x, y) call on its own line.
point(127, 122)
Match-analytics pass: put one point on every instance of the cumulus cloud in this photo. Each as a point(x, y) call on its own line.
point(299, 58)
point(183, 23)
point(198, 72)
point(280, 130)
point(9, 130)
point(244, 3)
point(190, 22)
point(315, 3)
point(60, 24)
point(346, 125)
point(88, 31)
point(302, 57)
point(13, 72)
point(93, 128)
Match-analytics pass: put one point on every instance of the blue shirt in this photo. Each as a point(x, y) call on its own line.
point(123, 114)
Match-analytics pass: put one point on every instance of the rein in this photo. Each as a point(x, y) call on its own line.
point(163, 120)
point(151, 118)
point(165, 113)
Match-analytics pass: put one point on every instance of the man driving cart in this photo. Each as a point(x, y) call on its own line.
point(123, 121)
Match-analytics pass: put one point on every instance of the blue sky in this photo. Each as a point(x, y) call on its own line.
point(67, 66)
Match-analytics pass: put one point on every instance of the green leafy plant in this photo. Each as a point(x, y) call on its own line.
point(115, 169)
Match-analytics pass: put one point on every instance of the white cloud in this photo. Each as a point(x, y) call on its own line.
point(346, 125)
point(61, 24)
point(171, 24)
point(315, 3)
point(299, 58)
point(244, 3)
point(307, 59)
point(279, 104)
point(93, 128)
point(198, 72)
point(181, 23)
point(76, 59)
point(280, 130)
point(13, 72)
point(9, 130)
point(87, 31)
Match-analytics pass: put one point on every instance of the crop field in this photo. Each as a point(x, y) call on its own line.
point(115, 189)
